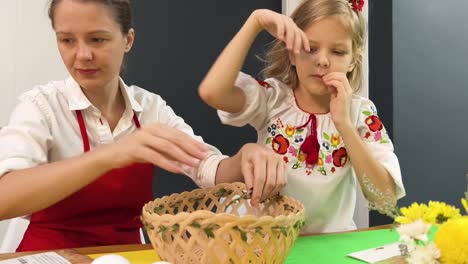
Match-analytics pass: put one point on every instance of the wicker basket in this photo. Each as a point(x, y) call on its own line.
point(218, 225)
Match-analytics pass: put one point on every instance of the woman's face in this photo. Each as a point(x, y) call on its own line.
point(91, 43)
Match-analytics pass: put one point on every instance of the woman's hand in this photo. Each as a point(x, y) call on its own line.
point(161, 145)
point(341, 95)
point(264, 171)
point(283, 28)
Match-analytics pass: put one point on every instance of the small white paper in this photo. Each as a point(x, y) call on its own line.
point(41, 258)
point(377, 254)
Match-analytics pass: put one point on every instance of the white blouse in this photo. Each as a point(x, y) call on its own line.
point(43, 127)
point(328, 188)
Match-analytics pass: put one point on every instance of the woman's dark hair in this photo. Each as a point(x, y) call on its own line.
point(119, 8)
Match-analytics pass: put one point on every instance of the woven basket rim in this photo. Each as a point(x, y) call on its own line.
point(226, 215)
point(300, 209)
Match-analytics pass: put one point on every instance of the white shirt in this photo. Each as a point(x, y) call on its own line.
point(43, 127)
point(327, 189)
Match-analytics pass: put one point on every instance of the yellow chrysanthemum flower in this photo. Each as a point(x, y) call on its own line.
point(465, 204)
point(412, 213)
point(452, 241)
point(439, 213)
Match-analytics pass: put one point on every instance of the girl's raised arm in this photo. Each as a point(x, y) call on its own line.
point(218, 88)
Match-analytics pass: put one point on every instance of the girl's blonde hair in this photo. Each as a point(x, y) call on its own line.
point(278, 64)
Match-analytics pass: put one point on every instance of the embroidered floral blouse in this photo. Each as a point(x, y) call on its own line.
point(327, 188)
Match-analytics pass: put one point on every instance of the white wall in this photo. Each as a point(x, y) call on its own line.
point(288, 6)
point(28, 54)
point(28, 51)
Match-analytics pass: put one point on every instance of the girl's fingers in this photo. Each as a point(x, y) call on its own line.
point(280, 28)
point(339, 81)
point(246, 169)
point(259, 181)
point(339, 76)
point(297, 41)
point(263, 171)
point(305, 41)
point(338, 85)
point(280, 177)
point(270, 176)
point(289, 33)
point(274, 174)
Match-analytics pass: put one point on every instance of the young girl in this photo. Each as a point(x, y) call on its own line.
point(77, 156)
point(307, 112)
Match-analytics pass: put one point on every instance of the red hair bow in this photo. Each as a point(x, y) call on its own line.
point(357, 5)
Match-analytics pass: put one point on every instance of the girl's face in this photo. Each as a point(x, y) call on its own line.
point(91, 43)
point(330, 51)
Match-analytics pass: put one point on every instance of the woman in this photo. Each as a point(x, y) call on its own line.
point(78, 155)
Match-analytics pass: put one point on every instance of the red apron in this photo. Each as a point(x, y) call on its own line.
point(105, 212)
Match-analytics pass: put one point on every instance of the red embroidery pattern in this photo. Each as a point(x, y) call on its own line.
point(264, 84)
point(357, 5)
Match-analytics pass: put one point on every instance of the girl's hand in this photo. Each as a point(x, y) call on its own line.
point(161, 145)
point(341, 94)
point(283, 28)
point(264, 172)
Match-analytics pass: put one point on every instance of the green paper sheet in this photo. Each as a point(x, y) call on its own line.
point(329, 249)
point(333, 248)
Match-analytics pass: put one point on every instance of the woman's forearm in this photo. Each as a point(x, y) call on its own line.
point(29, 190)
